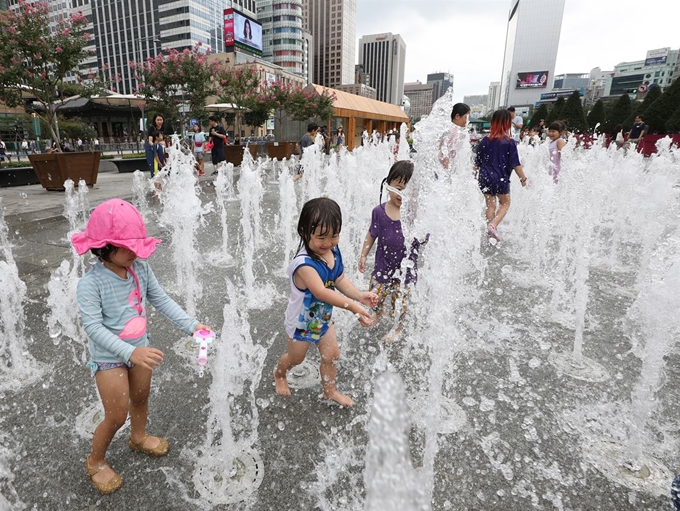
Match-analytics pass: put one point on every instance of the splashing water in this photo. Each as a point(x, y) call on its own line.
point(141, 186)
point(183, 212)
point(222, 476)
point(17, 366)
point(224, 190)
point(391, 482)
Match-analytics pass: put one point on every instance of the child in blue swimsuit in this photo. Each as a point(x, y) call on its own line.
point(315, 273)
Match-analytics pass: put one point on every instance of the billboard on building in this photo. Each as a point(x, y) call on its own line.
point(533, 80)
point(657, 57)
point(240, 31)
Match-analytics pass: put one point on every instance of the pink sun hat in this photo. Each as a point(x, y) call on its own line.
point(118, 223)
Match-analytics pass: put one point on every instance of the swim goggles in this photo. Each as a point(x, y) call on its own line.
point(392, 189)
point(135, 327)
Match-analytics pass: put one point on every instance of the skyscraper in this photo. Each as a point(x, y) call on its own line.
point(137, 29)
point(531, 44)
point(282, 41)
point(333, 28)
point(440, 84)
point(383, 58)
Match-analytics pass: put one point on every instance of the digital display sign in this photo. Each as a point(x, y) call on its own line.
point(537, 80)
point(242, 32)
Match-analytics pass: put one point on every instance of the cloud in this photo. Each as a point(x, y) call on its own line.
point(467, 37)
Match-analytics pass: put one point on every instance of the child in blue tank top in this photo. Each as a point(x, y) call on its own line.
point(315, 273)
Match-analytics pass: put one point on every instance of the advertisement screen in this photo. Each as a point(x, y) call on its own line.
point(532, 80)
point(657, 57)
point(229, 28)
point(242, 32)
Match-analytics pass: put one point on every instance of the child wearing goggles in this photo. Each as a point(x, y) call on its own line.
point(389, 279)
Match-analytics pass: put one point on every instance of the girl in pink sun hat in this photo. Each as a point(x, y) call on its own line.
point(112, 298)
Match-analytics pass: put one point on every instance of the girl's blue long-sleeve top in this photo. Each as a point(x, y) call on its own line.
point(105, 309)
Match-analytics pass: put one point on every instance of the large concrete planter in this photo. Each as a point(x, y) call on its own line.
point(281, 150)
point(18, 176)
point(54, 169)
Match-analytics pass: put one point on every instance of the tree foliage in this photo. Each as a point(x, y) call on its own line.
point(663, 108)
point(596, 116)
point(618, 114)
point(639, 107)
point(176, 83)
point(289, 101)
point(35, 61)
point(540, 113)
point(673, 122)
point(574, 115)
point(555, 113)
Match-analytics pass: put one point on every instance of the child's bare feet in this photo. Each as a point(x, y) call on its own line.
point(341, 399)
point(281, 383)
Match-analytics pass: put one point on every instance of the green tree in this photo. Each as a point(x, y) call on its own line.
point(35, 60)
point(177, 84)
point(639, 108)
point(662, 108)
point(555, 113)
point(596, 116)
point(673, 122)
point(256, 117)
point(573, 114)
point(540, 113)
point(618, 114)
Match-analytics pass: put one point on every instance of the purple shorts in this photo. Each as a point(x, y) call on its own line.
point(491, 184)
point(103, 366)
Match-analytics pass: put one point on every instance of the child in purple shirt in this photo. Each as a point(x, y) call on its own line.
point(386, 279)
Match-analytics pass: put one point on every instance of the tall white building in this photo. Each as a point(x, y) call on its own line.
point(383, 57)
point(531, 44)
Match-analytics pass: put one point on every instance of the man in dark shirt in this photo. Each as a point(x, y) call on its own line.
point(219, 138)
point(638, 130)
point(306, 141)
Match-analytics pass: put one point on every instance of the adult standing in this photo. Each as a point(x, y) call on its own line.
point(516, 123)
point(638, 130)
point(218, 137)
point(155, 128)
point(308, 139)
point(198, 144)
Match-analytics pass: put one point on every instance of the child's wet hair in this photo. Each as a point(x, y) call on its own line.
point(104, 253)
point(322, 213)
point(400, 171)
point(557, 126)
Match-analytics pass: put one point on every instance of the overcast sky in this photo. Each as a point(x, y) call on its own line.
point(467, 37)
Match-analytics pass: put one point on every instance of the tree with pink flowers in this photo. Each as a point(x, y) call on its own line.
point(289, 101)
point(177, 83)
point(35, 61)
